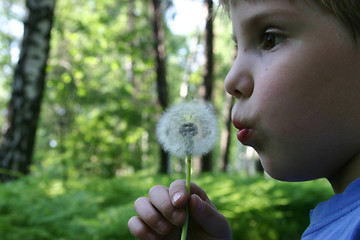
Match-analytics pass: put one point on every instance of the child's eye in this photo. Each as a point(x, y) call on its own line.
point(270, 40)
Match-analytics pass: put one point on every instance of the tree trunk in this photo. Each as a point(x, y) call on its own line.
point(19, 130)
point(131, 28)
point(225, 135)
point(160, 71)
point(207, 88)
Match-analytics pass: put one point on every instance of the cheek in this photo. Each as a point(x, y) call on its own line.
point(298, 91)
point(284, 102)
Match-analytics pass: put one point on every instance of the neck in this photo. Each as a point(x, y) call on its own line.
point(349, 173)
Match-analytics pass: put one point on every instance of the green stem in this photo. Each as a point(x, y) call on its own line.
point(188, 178)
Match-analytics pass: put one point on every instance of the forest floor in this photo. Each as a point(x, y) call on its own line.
point(96, 208)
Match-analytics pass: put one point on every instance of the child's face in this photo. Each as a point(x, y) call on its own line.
point(297, 80)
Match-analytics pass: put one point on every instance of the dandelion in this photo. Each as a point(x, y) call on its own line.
point(189, 128)
point(186, 130)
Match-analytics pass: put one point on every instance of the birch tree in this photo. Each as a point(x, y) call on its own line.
point(19, 130)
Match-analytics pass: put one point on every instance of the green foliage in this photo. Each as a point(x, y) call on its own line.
point(93, 208)
point(100, 106)
point(100, 103)
point(259, 208)
point(100, 90)
point(36, 208)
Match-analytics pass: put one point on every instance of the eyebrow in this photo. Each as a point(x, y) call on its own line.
point(272, 13)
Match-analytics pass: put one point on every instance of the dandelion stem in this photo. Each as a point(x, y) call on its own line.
point(188, 178)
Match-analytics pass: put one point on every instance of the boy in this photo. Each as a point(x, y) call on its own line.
point(296, 79)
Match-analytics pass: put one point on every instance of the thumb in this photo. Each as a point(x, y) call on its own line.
point(209, 218)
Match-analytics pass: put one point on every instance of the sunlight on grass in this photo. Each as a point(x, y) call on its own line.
point(56, 188)
point(257, 208)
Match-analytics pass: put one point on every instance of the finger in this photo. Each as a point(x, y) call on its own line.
point(151, 216)
point(195, 189)
point(179, 196)
point(175, 234)
point(160, 199)
point(178, 193)
point(210, 220)
point(140, 230)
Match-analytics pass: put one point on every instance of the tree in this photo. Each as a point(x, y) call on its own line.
point(160, 64)
point(19, 131)
point(206, 89)
point(225, 134)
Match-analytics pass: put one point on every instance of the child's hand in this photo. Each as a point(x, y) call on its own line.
point(162, 214)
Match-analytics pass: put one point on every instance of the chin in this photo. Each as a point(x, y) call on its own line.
point(286, 174)
point(286, 177)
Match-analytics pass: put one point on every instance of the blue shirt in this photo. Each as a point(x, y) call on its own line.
point(337, 218)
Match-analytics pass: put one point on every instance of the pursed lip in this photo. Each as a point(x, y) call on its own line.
point(239, 125)
point(244, 131)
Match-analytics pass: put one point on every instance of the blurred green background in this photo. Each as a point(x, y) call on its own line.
point(96, 208)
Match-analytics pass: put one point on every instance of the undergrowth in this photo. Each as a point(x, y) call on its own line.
point(38, 208)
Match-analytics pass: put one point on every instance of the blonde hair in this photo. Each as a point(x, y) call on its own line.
point(347, 11)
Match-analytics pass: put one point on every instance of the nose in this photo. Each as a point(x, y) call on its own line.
point(239, 81)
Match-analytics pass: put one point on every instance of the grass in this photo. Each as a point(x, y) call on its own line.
point(95, 209)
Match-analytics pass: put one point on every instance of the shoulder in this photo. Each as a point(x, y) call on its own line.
point(338, 217)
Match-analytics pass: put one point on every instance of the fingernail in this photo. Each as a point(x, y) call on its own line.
point(176, 198)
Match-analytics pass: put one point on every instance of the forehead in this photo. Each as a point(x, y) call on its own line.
point(248, 8)
point(235, 3)
point(244, 9)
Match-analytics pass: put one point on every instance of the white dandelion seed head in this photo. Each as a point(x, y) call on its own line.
point(189, 128)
